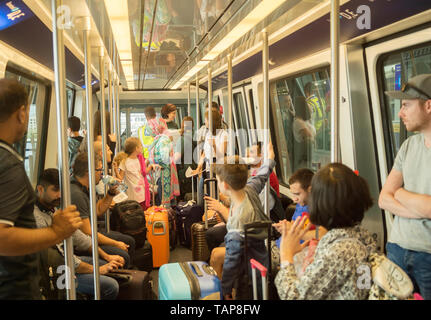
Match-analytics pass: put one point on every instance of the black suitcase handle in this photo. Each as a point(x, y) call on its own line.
point(258, 225)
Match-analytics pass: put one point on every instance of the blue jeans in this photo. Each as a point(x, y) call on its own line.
point(416, 264)
point(108, 286)
point(118, 236)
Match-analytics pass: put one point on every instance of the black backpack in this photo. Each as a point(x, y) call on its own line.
point(129, 218)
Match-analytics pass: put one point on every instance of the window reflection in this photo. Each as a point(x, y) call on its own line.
point(30, 146)
point(301, 113)
point(397, 69)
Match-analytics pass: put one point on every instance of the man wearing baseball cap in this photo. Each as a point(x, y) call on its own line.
point(407, 190)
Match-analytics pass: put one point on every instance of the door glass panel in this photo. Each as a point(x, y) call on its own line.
point(241, 121)
point(396, 69)
point(30, 146)
point(300, 107)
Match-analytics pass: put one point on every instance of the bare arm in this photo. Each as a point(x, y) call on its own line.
point(103, 204)
point(387, 199)
point(21, 241)
point(15, 241)
point(418, 203)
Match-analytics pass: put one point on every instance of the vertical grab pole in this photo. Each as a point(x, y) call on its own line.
point(335, 79)
point(189, 106)
point(265, 68)
point(118, 128)
point(198, 117)
point(91, 162)
point(211, 125)
point(114, 94)
point(63, 151)
point(103, 118)
point(231, 143)
point(110, 94)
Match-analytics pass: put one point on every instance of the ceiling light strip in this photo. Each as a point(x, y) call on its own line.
point(118, 12)
point(259, 13)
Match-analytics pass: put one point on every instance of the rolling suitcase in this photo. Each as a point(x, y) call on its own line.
point(200, 251)
point(263, 272)
point(271, 291)
point(158, 233)
point(187, 214)
point(189, 281)
point(134, 284)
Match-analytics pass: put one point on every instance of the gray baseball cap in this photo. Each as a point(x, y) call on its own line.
point(418, 87)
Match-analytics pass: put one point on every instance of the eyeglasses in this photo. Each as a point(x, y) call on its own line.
point(98, 170)
point(407, 86)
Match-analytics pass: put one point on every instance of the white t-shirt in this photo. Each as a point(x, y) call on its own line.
point(134, 180)
point(220, 138)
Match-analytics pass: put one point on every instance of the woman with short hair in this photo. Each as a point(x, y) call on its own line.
point(339, 199)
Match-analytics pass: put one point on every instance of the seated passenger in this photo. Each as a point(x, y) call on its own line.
point(300, 186)
point(245, 207)
point(114, 243)
point(20, 240)
point(255, 152)
point(339, 199)
point(48, 199)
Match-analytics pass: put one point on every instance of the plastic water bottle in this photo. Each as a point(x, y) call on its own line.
point(111, 181)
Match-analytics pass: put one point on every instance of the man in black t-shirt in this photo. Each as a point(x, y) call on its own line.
point(20, 240)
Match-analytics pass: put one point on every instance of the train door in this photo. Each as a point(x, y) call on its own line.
point(391, 64)
point(32, 146)
point(241, 120)
point(248, 91)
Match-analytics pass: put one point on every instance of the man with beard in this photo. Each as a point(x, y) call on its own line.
point(20, 240)
point(48, 199)
point(407, 190)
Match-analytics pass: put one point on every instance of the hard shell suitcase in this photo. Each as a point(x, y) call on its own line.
point(158, 233)
point(189, 281)
point(134, 284)
point(269, 290)
point(200, 251)
point(187, 213)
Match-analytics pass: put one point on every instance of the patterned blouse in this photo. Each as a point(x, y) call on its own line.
point(335, 273)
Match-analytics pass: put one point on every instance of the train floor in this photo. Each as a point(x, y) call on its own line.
point(179, 254)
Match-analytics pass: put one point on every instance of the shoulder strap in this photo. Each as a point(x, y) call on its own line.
point(11, 150)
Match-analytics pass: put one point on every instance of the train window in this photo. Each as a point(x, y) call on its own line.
point(31, 147)
point(241, 121)
point(70, 93)
point(395, 69)
point(250, 94)
point(301, 117)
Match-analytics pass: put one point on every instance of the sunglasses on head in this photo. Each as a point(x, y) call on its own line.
point(408, 86)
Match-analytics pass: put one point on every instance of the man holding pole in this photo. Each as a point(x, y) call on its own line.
point(20, 240)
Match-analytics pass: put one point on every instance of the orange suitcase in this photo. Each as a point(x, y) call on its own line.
point(157, 221)
point(158, 234)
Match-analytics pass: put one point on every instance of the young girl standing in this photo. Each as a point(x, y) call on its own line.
point(133, 170)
